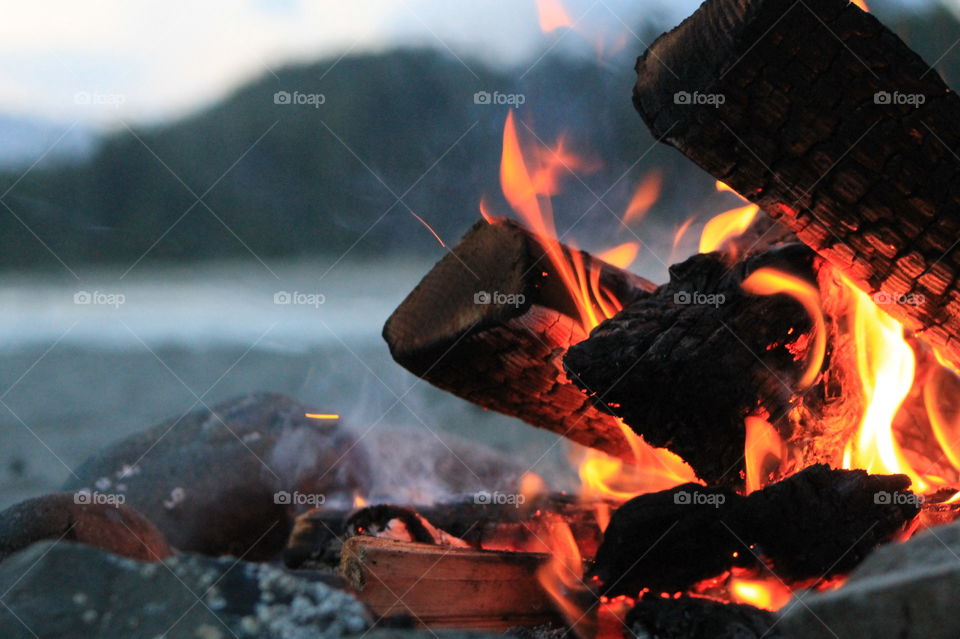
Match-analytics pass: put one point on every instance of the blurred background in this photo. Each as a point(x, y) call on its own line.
point(170, 171)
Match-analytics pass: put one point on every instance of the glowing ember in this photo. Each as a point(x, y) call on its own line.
point(429, 228)
point(769, 594)
point(552, 15)
point(768, 281)
point(322, 415)
point(727, 224)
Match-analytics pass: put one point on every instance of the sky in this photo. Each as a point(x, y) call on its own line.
point(98, 61)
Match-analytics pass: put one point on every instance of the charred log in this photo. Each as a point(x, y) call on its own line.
point(490, 322)
point(685, 365)
point(814, 525)
point(699, 618)
point(827, 120)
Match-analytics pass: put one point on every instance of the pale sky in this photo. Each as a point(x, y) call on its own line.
point(95, 61)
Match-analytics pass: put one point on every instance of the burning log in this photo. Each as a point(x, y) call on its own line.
point(447, 587)
point(490, 322)
point(813, 525)
point(318, 534)
point(822, 116)
point(686, 365)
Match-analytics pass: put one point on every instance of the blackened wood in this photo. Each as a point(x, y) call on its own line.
point(687, 364)
point(826, 119)
point(699, 618)
point(813, 525)
point(490, 323)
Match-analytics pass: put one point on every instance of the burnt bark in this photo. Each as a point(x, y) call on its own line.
point(687, 364)
point(699, 618)
point(813, 525)
point(491, 321)
point(827, 120)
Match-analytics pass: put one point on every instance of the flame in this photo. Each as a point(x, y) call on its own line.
point(861, 4)
point(727, 224)
point(562, 575)
point(532, 486)
point(768, 281)
point(359, 501)
point(886, 365)
point(769, 594)
point(429, 228)
point(552, 15)
point(322, 415)
point(646, 195)
point(762, 443)
point(941, 397)
point(621, 256)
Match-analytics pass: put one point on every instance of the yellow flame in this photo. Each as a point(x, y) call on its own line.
point(886, 366)
point(322, 415)
point(768, 281)
point(763, 448)
point(768, 594)
point(861, 4)
point(646, 195)
point(727, 224)
point(620, 256)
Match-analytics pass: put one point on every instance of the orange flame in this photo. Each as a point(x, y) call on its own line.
point(646, 195)
point(769, 594)
point(621, 256)
point(727, 224)
point(429, 228)
point(552, 15)
point(886, 365)
point(763, 448)
point(562, 576)
point(861, 4)
point(768, 281)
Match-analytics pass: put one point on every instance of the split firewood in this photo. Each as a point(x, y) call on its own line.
point(447, 587)
point(827, 120)
point(490, 323)
point(318, 534)
point(814, 525)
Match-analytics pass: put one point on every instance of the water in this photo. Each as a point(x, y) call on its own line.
point(154, 344)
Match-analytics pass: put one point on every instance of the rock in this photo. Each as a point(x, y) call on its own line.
point(229, 481)
point(907, 590)
point(114, 527)
point(62, 589)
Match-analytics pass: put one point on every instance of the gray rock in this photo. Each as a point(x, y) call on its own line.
point(66, 590)
point(208, 480)
point(113, 527)
point(907, 590)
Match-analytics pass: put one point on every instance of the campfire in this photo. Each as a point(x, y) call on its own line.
point(751, 428)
